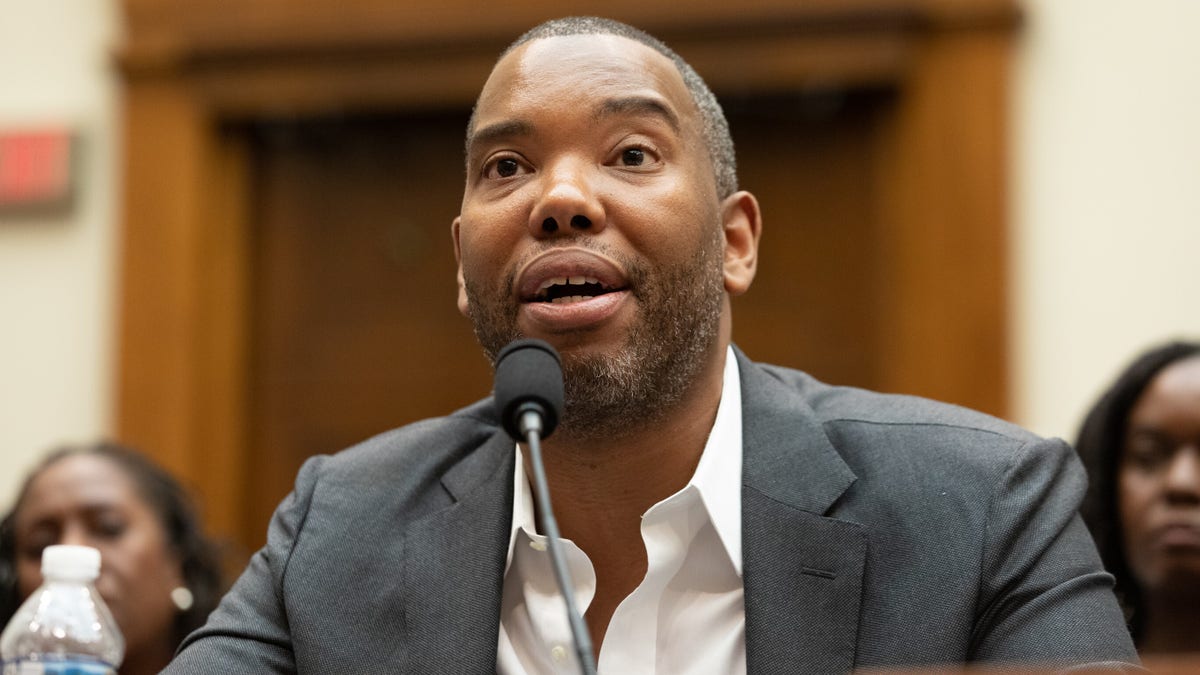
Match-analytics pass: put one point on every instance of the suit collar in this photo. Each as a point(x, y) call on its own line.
point(803, 569)
point(454, 566)
point(784, 440)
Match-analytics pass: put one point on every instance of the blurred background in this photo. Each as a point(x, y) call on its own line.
point(242, 256)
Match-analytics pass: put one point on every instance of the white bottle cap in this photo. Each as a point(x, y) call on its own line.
point(70, 562)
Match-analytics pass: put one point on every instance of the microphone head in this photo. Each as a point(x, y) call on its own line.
point(528, 371)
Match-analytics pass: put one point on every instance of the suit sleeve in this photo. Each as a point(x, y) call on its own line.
point(248, 632)
point(1045, 597)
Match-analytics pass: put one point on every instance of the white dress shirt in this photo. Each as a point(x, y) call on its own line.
point(687, 614)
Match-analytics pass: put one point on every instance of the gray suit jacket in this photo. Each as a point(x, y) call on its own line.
point(877, 531)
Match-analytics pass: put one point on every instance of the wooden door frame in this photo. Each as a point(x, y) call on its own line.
point(191, 67)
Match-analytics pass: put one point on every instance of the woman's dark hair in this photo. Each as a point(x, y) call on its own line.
point(163, 494)
point(1100, 444)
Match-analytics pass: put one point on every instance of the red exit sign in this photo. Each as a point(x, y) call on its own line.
point(36, 168)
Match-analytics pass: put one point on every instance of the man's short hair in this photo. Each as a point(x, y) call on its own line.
point(714, 127)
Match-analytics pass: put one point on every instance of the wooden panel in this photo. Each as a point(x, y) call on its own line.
point(810, 161)
point(182, 393)
point(941, 176)
point(356, 326)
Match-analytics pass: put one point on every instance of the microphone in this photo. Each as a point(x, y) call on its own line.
point(529, 387)
point(528, 397)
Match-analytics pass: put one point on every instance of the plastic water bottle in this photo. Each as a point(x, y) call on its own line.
point(64, 628)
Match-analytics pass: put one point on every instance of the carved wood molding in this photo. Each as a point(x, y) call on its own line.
point(265, 56)
point(177, 32)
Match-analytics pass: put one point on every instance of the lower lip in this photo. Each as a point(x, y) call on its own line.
point(568, 316)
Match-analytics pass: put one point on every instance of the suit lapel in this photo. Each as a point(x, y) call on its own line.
point(802, 571)
point(454, 566)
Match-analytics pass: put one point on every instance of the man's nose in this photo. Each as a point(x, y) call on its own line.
point(1183, 475)
point(569, 202)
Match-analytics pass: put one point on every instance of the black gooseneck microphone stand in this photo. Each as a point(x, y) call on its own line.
point(529, 396)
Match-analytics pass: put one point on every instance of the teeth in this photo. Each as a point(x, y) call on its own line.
point(564, 281)
point(570, 298)
point(556, 281)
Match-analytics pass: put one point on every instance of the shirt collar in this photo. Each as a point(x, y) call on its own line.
point(718, 476)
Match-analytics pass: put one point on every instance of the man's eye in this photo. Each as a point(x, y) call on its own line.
point(633, 157)
point(505, 167)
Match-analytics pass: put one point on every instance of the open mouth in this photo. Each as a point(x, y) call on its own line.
point(563, 290)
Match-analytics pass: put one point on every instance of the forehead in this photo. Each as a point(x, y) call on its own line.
point(78, 480)
point(1174, 390)
point(1181, 377)
point(576, 71)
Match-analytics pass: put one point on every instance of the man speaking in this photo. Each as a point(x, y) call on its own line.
point(717, 515)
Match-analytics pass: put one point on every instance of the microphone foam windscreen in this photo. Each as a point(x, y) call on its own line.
point(528, 371)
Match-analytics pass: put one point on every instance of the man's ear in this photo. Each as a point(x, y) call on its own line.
point(463, 306)
point(743, 227)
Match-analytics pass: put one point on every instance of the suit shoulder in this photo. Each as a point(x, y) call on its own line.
point(901, 449)
point(897, 414)
point(423, 447)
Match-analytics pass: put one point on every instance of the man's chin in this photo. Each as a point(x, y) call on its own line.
point(587, 353)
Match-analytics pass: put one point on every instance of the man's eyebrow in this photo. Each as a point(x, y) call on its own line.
point(640, 105)
point(607, 108)
point(491, 132)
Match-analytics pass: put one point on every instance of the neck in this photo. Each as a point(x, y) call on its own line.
point(1171, 624)
point(600, 483)
point(601, 487)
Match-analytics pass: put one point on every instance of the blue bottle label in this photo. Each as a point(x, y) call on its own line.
point(58, 666)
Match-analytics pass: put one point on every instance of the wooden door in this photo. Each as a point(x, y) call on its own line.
point(355, 329)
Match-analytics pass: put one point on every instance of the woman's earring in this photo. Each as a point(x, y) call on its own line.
point(182, 597)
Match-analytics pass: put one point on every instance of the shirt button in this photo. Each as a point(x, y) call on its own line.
point(558, 653)
point(537, 545)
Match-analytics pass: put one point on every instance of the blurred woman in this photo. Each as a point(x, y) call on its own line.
point(1141, 446)
point(159, 575)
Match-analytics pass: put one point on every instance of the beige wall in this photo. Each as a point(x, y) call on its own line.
point(1105, 206)
point(56, 274)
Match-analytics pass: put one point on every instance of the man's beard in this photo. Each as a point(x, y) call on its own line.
point(612, 395)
